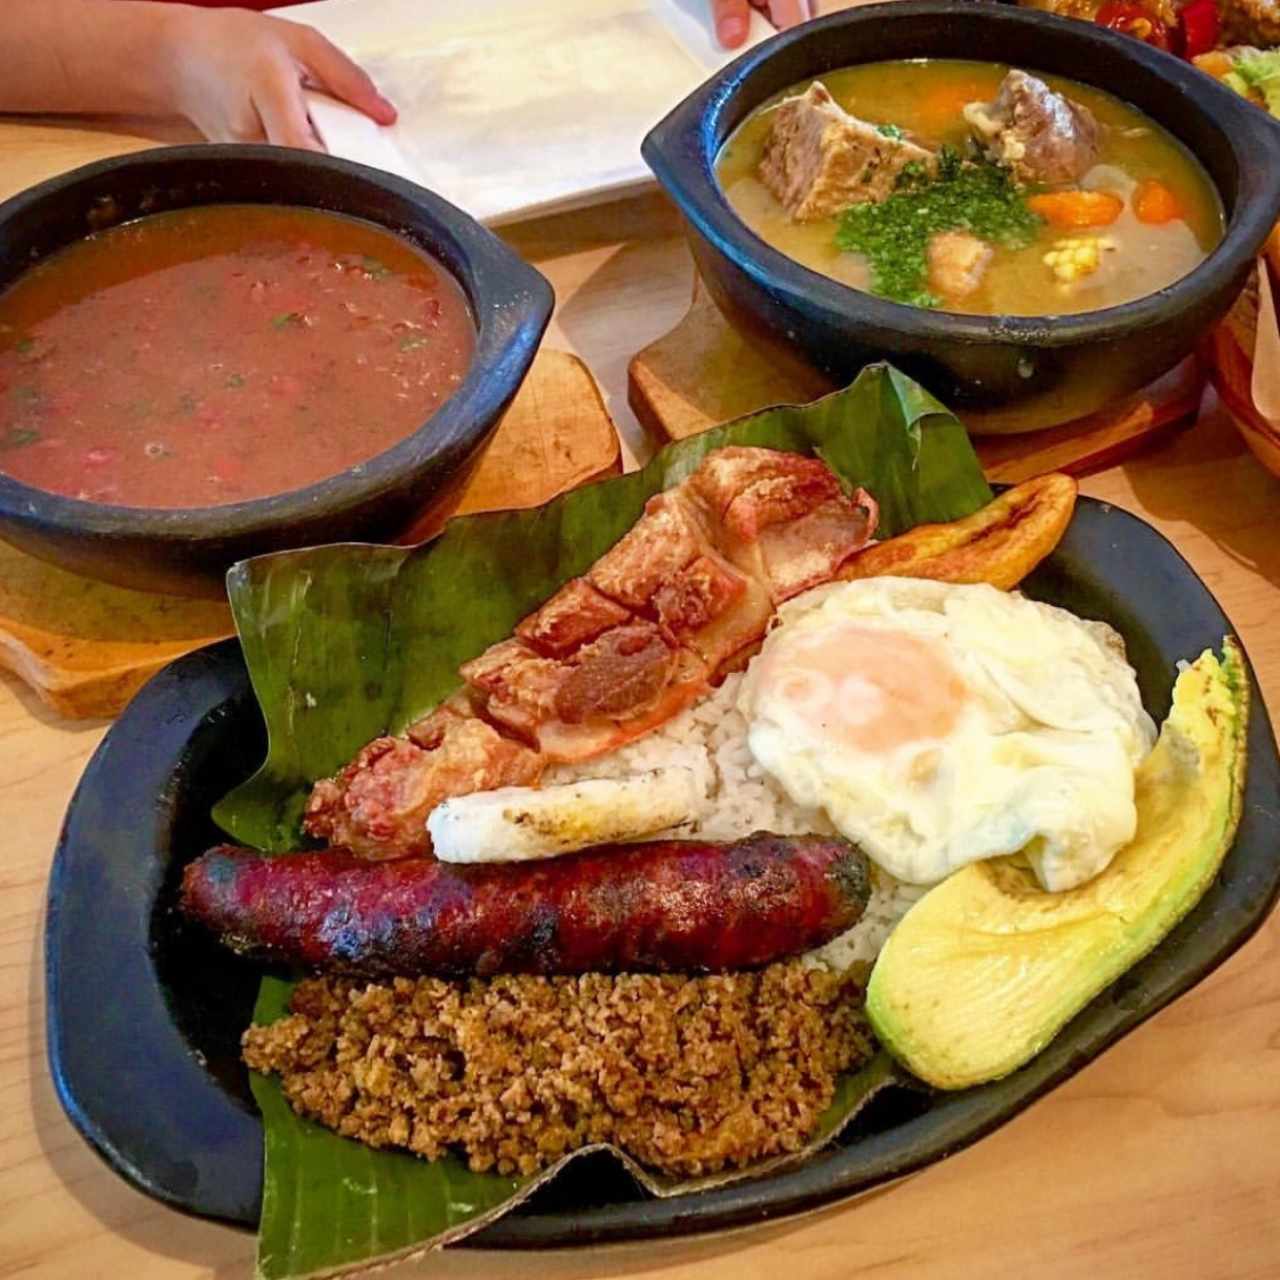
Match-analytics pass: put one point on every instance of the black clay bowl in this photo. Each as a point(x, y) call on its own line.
point(188, 551)
point(1000, 373)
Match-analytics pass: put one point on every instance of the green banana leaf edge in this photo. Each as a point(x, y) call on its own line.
point(332, 1206)
point(347, 642)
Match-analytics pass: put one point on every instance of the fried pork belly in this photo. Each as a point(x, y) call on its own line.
point(378, 804)
point(673, 605)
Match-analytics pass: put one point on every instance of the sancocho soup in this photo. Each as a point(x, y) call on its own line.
point(222, 353)
point(971, 187)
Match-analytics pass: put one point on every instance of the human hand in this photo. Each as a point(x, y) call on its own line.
point(238, 77)
point(733, 17)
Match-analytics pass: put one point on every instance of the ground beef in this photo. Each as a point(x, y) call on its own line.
point(687, 1075)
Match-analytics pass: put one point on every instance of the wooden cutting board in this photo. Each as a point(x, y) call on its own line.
point(86, 647)
point(704, 372)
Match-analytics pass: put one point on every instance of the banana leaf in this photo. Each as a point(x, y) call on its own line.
point(331, 1206)
point(347, 642)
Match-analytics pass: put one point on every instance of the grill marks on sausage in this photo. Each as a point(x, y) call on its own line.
point(666, 906)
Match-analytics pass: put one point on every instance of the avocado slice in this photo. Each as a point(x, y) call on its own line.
point(987, 967)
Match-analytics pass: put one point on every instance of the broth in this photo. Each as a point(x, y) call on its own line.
point(223, 353)
point(925, 98)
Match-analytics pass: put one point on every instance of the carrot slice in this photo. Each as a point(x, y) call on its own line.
point(1155, 204)
point(1077, 208)
point(940, 109)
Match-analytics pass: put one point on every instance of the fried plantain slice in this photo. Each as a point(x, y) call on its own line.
point(999, 544)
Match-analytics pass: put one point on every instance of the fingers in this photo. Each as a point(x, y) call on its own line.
point(335, 72)
point(789, 13)
point(277, 96)
point(732, 20)
point(733, 17)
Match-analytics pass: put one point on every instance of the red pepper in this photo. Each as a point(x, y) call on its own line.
point(1134, 20)
point(1201, 28)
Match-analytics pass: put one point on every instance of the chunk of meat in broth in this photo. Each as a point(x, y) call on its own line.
point(1040, 135)
point(818, 159)
point(957, 263)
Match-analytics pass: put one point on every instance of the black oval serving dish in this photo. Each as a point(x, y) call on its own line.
point(188, 551)
point(999, 373)
point(145, 1013)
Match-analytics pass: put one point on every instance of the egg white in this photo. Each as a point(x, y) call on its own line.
point(939, 724)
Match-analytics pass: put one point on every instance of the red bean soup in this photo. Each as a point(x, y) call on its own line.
point(222, 353)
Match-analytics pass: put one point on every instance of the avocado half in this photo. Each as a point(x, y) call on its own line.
point(987, 967)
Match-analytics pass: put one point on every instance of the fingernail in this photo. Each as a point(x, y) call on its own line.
point(732, 30)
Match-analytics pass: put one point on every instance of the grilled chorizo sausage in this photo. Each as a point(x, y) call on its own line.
point(673, 905)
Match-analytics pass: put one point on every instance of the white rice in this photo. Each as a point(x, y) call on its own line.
point(710, 740)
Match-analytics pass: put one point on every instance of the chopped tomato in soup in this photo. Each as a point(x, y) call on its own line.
point(222, 353)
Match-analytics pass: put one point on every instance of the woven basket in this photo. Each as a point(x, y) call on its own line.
point(1229, 356)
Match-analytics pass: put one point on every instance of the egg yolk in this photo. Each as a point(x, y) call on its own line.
point(872, 690)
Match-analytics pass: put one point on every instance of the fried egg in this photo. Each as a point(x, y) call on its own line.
point(939, 724)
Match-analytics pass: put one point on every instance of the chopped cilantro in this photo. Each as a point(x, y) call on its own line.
point(235, 381)
point(912, 172)
point(285, 319)
point(951, 162)
point(412, 342)
point(894, 235)
point(16, 437)
point(890, 131)
point(187, 403)
point(374, 268)
point(25, 346)
point(25, 393)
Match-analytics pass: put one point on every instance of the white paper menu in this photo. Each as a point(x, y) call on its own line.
point(511, 108)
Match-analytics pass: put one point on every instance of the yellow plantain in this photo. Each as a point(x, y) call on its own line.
point(1000, 544)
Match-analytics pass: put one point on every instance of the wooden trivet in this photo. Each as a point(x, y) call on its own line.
point(86, 647)
point(704, 372)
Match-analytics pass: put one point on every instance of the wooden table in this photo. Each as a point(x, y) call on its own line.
point(1163, 1159)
